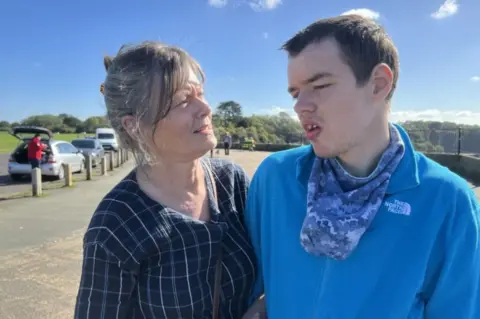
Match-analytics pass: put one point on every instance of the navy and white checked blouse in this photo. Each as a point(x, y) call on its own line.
point(144, 260)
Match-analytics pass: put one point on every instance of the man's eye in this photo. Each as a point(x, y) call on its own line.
point(323, 86)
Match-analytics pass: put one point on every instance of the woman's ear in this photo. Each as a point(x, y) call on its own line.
point(107, 61)
point(128, 123)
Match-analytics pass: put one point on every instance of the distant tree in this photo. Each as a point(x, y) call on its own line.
point(4, 126)
point(94, 122)
point(14, 124)
point(71, 121)
point(229, 111)
point(52, 122)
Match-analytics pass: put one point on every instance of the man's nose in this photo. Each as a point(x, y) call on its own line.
point(303, 105)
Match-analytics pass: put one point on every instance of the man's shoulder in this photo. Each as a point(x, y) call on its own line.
point(454, 191)
point(432, 173)
point(279, 161)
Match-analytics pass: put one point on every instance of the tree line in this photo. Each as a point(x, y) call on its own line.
point(62, 123)
point(276, 129)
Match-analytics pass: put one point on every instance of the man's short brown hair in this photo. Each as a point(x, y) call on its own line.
point(363, 42)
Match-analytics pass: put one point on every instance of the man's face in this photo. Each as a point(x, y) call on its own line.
point(333, 110)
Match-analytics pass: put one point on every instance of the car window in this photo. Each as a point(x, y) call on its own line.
point(105, 136)
point(63, 148)
point(71, 148)
point(84, 143)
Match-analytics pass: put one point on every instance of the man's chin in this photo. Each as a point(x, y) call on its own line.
point(322, 151)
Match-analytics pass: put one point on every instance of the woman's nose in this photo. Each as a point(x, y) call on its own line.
point(203, 106)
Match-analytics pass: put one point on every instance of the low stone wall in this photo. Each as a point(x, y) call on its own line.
point(466, 166)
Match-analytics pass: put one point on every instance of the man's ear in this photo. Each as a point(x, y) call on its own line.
point(382, 77)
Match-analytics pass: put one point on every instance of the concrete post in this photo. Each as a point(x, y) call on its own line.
point(103, 166)
point(37, 182)
point(110, 161)
point(88, 167)
point(117, 159)
point(67, 168)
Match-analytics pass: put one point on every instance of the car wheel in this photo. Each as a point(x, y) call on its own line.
point(15, 177)
point(82, 167)
point(61, 173)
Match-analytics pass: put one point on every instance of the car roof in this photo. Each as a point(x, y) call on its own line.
point(53, 142)
point(84, 139)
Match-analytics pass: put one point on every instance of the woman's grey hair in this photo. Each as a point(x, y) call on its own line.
point(141, 82)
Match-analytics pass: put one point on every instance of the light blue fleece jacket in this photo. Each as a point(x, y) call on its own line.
point(420, 258)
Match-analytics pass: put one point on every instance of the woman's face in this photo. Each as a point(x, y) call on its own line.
point(186, 133)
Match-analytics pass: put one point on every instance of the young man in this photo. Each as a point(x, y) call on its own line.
point(359, 225)
point(35, 149)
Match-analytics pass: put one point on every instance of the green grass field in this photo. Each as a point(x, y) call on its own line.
point(8, 142)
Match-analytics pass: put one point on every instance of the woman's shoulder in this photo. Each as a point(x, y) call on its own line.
point(120, 221)
point(226, 169)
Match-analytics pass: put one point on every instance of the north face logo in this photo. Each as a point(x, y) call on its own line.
point(398, 207)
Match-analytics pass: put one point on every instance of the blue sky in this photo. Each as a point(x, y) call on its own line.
point(51, 57)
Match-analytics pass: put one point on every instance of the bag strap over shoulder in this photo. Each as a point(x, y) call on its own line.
point(218, 267)
point(217, 287)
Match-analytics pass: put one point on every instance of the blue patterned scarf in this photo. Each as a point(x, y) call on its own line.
point(340, 207)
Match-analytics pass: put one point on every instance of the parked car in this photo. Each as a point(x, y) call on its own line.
point(107, 138)
point(92, 147)
point(56, 154)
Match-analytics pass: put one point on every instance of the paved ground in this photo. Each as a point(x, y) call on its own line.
point(7, 186)
point(41, 248)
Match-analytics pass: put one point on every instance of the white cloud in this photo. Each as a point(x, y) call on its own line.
point(217, 3)
point(475, 78)
point(364, 12)
point(455, 116)
point(265, 35)
point(448, 8)
point(261, 5)
point(275, 110)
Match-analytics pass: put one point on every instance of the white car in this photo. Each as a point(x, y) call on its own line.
point(107, 138)
point(56, 154)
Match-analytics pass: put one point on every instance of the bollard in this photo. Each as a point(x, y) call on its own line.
point(117, 159)
point(110, 161)
point(67, 169)
point(121, 156)
point(103, 166)
point(88, 167)
point(36, 182)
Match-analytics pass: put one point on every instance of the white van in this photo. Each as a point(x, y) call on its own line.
point(107, 138)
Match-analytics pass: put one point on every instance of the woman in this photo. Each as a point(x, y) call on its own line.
point(156, 241)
